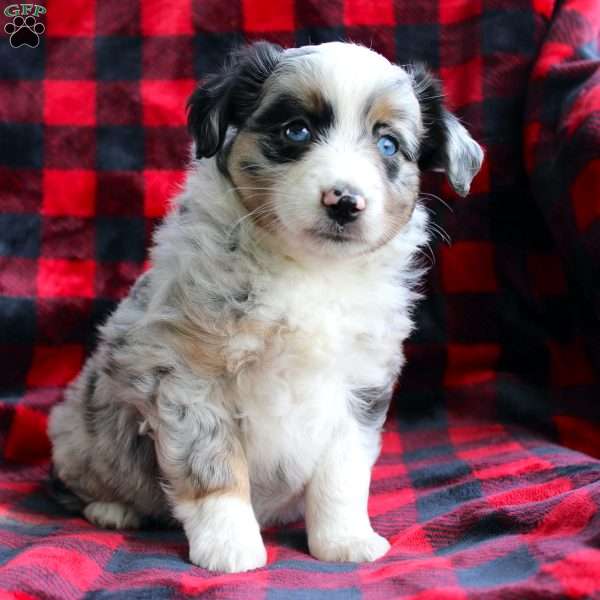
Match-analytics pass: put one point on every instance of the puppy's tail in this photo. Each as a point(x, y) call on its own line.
point(61, 494)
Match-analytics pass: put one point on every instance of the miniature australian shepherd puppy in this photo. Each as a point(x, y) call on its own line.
point(245, 379)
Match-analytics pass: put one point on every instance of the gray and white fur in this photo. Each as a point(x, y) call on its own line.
point(246, 377)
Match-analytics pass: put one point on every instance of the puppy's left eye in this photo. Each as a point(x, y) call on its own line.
point(387, 145)
point(297, 132)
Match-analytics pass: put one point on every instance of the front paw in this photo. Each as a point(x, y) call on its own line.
point(223, 534)
point(229, 555)
point(340, 548)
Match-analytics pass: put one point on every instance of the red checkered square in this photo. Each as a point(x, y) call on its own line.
point(453, 36)
point(69, 102)
point(544, 7)
point(587, 8)
point(319, 14)
point(260, 16)
point(386, 502)
point(470, 364)
point(159, 188)
point(169, 58)
point(375, 12)
point(166, 147)
point(60, 278)
point(21, 101)
point(216, 16)
point(468, 267)
point(69, 147)
point(554, 53)
point(416, 13)
point(463, 84)
point(456, 11)
point(70, 58)
point(386, 471)
point(119, 17)
point(68, 18)
point(67, 237)
point(17, 276)
point(164, 101)
point(69, 192)
point(479, 454)
point(529, 494)
point(577, 573)
point(167, 18)
point(468, 433)
point(114, 279)
point(21, 190)
point(120, 193)
point(391, 442)
point(517, 468)
point(118, 103)
point(55, 365)
point(77, 568)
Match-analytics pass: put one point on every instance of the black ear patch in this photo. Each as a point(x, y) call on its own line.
point(446, 145)
point(430, 96)
point(230, 96)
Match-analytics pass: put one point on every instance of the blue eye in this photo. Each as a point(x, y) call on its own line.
point(387, 145)
point(297, 132)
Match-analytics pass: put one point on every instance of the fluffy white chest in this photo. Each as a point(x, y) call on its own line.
point(332, 337)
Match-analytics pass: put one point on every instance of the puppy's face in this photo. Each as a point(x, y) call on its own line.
point(325, 143)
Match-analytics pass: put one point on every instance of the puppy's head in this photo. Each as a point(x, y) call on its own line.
point(325, 143)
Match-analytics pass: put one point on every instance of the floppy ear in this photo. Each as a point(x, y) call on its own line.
point(230, 96)
point(447, 145)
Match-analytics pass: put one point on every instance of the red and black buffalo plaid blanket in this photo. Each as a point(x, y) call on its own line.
point(488, 485)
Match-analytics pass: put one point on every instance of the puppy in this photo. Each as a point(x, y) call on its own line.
point(245, 379)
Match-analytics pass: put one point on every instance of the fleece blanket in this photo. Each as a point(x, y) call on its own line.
point(488, 485)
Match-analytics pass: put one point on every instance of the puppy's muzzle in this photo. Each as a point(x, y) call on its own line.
point(343, 204)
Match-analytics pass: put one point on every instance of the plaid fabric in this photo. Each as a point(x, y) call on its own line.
point(487, 486)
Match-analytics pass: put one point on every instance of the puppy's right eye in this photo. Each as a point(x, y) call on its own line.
point(297, 132)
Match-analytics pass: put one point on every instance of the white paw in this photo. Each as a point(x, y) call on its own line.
point(230, 555)
point(112, 515)
point(364, 548)
point(223, 534)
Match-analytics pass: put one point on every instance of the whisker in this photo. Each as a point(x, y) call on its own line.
point(429, 195)
point(441, 232)
point(263, 208)
point(260, 189)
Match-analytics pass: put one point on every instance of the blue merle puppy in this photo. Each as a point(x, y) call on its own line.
point(245, 379)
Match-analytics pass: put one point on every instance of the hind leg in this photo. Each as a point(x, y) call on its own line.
point(112, 515)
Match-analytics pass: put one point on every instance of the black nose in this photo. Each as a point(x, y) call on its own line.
point(345, 210)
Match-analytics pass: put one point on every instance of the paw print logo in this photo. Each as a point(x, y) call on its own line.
point(24, 31)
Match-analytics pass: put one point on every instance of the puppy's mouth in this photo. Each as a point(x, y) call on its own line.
point(334, 233)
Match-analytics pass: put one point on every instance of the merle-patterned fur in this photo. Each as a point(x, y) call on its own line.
point(270, 124)
point(437, 150)
point(228, 98)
